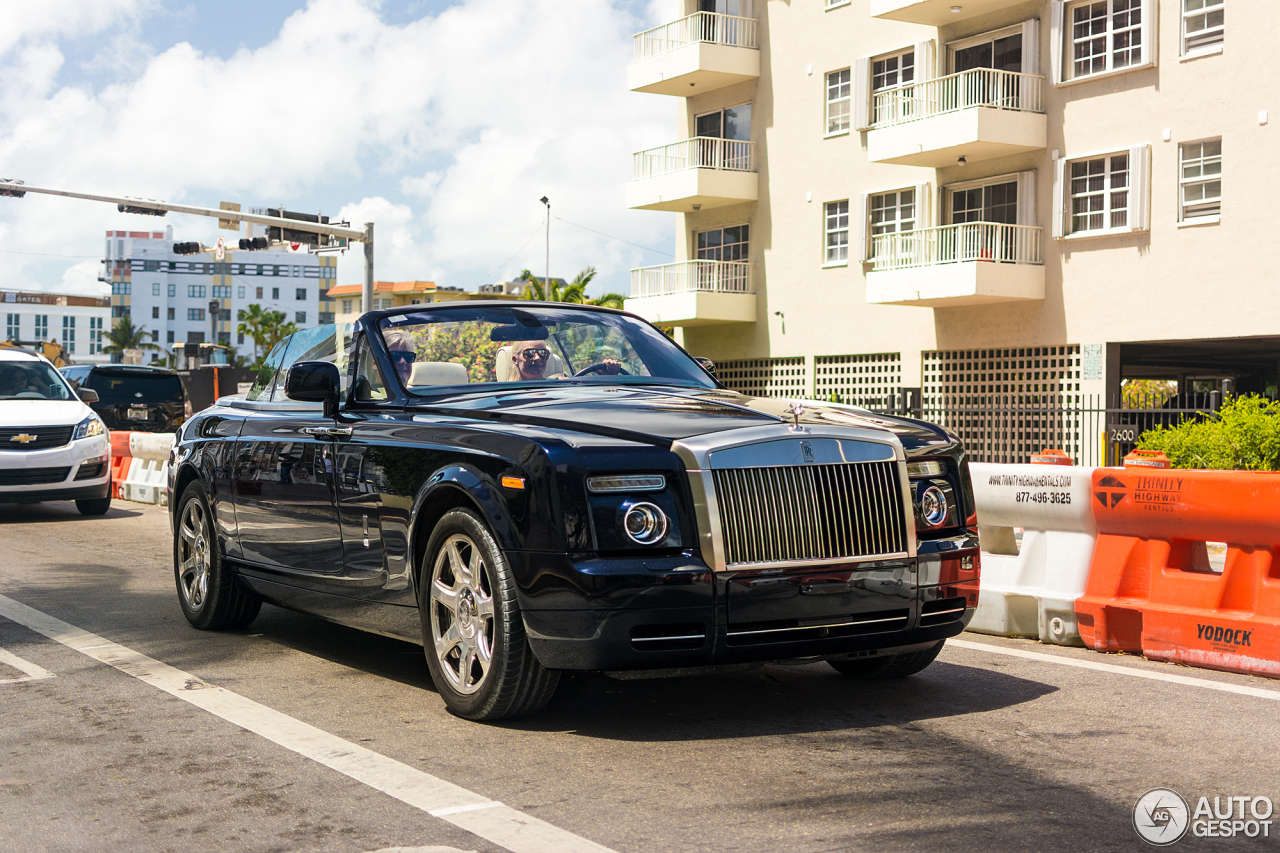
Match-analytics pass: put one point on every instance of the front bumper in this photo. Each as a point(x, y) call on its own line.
point(17, 463)
point(674, 612)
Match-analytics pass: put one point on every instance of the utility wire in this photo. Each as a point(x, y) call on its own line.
point(536, 232)
point(611, 237)
point(50, 254)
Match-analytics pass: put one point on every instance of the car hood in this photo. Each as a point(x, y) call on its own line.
point(662, 415)
point(25, 413)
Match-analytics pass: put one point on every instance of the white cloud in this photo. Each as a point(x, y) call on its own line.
point(448, 128)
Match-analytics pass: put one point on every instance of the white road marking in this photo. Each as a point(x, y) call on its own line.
point(33, 672)
point(489, 819)
point(1133, 672)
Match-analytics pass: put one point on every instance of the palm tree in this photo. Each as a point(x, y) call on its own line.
point(251, 322)
point(574, 292)
point(125, 335)
point(266, 328)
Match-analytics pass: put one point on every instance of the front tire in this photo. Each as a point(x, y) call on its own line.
point(210, 599)
point(94, 506)
point(889, 666)
point(473, 634)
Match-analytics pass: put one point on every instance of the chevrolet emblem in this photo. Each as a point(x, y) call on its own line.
point(24, 438)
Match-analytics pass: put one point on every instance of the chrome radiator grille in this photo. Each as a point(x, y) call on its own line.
point(810, 512)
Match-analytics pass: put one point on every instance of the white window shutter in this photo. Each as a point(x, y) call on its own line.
point(1057, 35)
point(1147, 30)
point(924, 206)
point(1027, 198)
point(1140, 188)
point(862, 93)
point(1060, 198)
point(1031, 46)
point(926, 66)
point(859, 218)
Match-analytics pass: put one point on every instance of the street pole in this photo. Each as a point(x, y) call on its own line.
point(546, 284)
point(366, 295)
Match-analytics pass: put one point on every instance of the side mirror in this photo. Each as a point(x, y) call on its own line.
point(314, 382)
point(706, 364)
point(87, 395)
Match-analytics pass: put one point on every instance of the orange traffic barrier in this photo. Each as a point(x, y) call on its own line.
point(120, 459)
point(1151, 587)
point(1147, 459)
point(1053, 456)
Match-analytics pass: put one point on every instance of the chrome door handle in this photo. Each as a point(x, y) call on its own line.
point(328, 432)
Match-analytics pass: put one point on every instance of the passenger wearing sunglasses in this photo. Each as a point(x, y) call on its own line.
point(400, 348)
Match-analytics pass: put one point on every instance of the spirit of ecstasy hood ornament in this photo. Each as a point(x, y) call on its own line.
point(795, 410)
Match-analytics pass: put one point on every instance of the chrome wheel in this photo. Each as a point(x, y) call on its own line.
point(462, 614)
point(194, 558)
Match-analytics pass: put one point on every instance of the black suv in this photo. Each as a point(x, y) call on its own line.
point(136, 398)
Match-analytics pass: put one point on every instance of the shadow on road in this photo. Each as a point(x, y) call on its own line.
point(59, 511)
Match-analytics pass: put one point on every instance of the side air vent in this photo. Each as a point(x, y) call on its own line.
point(942, 611)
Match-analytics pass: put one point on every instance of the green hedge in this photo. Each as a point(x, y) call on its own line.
point(1243, 435)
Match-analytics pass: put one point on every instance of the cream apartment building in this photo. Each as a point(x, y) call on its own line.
point(1011, 202)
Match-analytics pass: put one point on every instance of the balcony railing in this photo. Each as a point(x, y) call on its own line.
point(701, 152)
point(952, 244)
point(978, 87)
point(692, 277)
point(712, 27)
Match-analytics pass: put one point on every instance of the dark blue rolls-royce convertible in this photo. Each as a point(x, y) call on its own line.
point(525, 488)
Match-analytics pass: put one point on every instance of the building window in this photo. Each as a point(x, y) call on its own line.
point(69, 332)
point(196, 290)
point(297, 272)
point(95, 335)
point(300, 317)
point(838, 101)
point(195, 313)
point(346, 306)
point(325, 318)
point(300, 294)
point(121, 288)
point(1200, 180)
point(893, 70)
point(239, 339)
point(155, 288)
point(171, 313)
point(275, 293)
point(173, 290)
point(892, 212)
point(11, 327)
point(222, 291)
point(155, 312)
point(240, 292)
point(1202, 24)
point(837, 232)
point(259, 296)
point(383, 303)
point(224, 338)
point(724, 244)
point(42, 327)
point(169, 336)
point(155, 335)
point(195, 337)
point(1099, 194)
point(1105, 35)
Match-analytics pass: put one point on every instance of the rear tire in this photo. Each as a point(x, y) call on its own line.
point(472, 632)
point(94, 506)
point(889, 666)
point(207, 591)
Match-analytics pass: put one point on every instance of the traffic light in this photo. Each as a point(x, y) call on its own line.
point(294, 235)
point(9, 191)
point(187, 248)
point(255, 244)
point(146, 211)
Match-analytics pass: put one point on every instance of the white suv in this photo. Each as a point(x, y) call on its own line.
point(52, 446)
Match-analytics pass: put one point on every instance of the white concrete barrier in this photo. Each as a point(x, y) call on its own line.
point(148, 476)
point(1030, 591)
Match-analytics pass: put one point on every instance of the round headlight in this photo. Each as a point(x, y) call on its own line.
point(933, 506)
point(645, 523)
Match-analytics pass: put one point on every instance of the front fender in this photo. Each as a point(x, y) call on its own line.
point(462, 484)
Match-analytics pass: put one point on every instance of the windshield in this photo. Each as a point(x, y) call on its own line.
point(32, 380)
point(538, 343)
point(126, 387)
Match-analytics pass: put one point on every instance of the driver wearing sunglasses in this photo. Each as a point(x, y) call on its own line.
point(530, 359)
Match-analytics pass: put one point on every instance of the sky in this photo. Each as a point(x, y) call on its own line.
point(442, 121)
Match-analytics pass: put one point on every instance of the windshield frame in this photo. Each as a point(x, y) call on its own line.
point(27, 364)
point(652, 343)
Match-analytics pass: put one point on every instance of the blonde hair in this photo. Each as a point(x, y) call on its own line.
point(398, 339)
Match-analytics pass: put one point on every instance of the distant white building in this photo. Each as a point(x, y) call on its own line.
point(77, 323)
point(197, 297)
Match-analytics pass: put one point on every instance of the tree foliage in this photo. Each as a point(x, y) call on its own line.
point(1243, 435)
point(575, 292)
point(467, 344)
point(265, 328)
point(125, 335)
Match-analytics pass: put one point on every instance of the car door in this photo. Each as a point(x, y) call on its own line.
point(286, 514)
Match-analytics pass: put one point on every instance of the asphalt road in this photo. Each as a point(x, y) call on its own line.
point(982, 751)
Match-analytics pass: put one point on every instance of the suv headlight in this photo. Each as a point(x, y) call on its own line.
point(89, 427)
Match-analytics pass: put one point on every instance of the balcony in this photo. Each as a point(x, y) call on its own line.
point(977, 114)
point(699, 173)
point(976, 263)
point(704, 51)
point(694, 293)
point(937, 13)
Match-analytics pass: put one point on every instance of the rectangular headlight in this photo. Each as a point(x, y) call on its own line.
point(634, 483)
point(926, 468)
